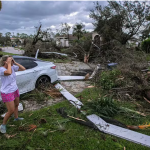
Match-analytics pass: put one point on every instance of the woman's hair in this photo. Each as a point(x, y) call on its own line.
point(3, 59)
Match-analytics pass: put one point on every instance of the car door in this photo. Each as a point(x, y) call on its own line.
point(26, 79)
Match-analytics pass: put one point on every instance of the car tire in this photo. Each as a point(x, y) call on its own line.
point(42, 81)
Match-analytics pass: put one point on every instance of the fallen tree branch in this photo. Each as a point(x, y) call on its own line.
point(122, 88)
point(147, 100)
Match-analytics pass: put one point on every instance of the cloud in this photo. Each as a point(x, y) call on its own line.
point(22, 16)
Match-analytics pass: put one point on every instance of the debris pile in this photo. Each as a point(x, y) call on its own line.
point(31, 127)
point(53, 55)
point(135, 85)
point(53, 93)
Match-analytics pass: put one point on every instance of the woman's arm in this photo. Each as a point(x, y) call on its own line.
point(21, 68)
point(8, 71)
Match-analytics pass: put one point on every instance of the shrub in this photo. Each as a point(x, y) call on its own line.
point(108, 79)
point(145, 45)
point(103, 106)
point(2, 108)
point(35, 95)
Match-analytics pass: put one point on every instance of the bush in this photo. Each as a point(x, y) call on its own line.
point(145, 45)
point(35, 95)
point(2, 108)
point(108, 79)
point(103, 106)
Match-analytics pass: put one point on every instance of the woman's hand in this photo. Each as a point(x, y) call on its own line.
point(21, 68)
point(13, 61)
point(9, 60)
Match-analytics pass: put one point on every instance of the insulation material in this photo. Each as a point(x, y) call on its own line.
point(119, 131)
point(65, 78)
point(69, 96)
point(20, 108)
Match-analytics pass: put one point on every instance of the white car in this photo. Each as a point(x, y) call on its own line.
point(37, 72)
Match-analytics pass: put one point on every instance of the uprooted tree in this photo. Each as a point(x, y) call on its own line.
point(118, 23)
point(41, 36)
point(121, 20)
point(83, 48)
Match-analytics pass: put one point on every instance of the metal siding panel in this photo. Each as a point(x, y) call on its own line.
point(69, 96)
point(119, 131)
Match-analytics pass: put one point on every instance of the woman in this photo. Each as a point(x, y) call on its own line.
point(9, 89)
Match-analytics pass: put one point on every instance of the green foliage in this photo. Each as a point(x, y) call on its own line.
point(5, 53)
point(64, 30)
point(108, 79)
point(120, 20)
point(35, 95)
point(2, 108)
point(145, 45)
point(0, 5)
point(78, 30)
point(75, 137)
point(104, 106)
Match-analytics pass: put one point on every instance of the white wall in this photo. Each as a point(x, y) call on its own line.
point(62, 42)
point(94, 34)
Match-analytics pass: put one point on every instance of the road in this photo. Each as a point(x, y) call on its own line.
point(12, 50)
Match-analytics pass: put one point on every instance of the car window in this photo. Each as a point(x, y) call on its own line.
point(27, 63)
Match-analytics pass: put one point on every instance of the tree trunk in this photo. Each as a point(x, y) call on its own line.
point(86, 58)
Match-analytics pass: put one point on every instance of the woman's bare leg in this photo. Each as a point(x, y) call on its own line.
point(16, 101)
point(10, 107)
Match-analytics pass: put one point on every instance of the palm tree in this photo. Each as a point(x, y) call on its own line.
point(78, 30)
point(0, 5)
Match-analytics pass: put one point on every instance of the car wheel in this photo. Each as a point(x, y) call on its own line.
point(42, 81)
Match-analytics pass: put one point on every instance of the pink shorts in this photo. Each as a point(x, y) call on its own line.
point(10, 96)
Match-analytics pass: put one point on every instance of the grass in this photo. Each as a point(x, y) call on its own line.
point(73, 136)
point(148, 57)
point(35, 95)
point(19, 48)
point(63, 50)
point(5, 53)
point(126, 118)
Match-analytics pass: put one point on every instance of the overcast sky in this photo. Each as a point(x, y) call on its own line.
point(21, 16)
